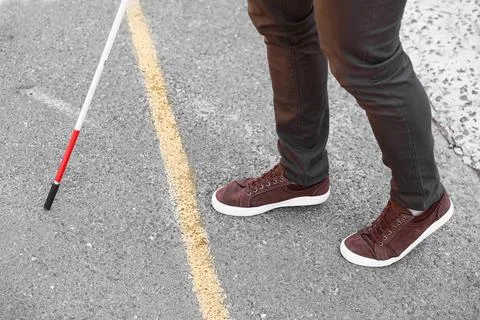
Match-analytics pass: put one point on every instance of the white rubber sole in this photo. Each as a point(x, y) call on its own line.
point(247, 212)
point(367, 262)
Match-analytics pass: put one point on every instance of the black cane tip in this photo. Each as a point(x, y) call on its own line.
point(51, 196)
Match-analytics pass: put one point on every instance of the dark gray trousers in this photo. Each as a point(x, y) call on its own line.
point(360, 39)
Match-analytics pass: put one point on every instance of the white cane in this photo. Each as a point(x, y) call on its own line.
point(86, 104)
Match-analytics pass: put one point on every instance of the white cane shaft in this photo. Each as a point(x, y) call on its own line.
point(101, 64)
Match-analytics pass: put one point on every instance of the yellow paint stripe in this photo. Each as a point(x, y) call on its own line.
point(206, 285)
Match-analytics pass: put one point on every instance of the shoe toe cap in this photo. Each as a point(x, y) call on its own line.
point(356, 244)
point(231, 194)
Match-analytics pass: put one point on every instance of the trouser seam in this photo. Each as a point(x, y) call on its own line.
point(412, 142)
point(298, 106)
point(298, 135)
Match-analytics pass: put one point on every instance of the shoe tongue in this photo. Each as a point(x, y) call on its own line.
point(391, 212)
point(244, 182)
point(279, 170)
point(399, 209)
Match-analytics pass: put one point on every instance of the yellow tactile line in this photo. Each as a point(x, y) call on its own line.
point(206, 285)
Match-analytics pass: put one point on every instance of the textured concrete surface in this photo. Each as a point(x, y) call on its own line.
point(443, 39)
point(111, 247)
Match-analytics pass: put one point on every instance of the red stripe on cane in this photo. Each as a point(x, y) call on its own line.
point(66, 156)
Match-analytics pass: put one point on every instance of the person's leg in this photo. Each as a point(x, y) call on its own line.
point(361, 41)
point(298, 71)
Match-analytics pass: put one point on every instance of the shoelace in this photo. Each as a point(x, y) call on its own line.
point(272, 176)
point(385, 225)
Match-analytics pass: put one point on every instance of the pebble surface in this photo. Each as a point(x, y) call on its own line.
point(442, 38)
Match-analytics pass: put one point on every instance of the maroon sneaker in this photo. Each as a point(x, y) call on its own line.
point(251, 196)
point(394, 234)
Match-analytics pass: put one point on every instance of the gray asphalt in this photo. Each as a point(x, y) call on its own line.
point(111, 247)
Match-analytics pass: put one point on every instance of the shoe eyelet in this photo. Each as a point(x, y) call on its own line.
point(281, 179)
point(404, 217)
point(389, 232)
point(399, 223)
point(255, 190)
point(384, 238)
point(381, 244)
point(268, 184)
point(275, 181)
point(261, 187)
point(249, 194)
